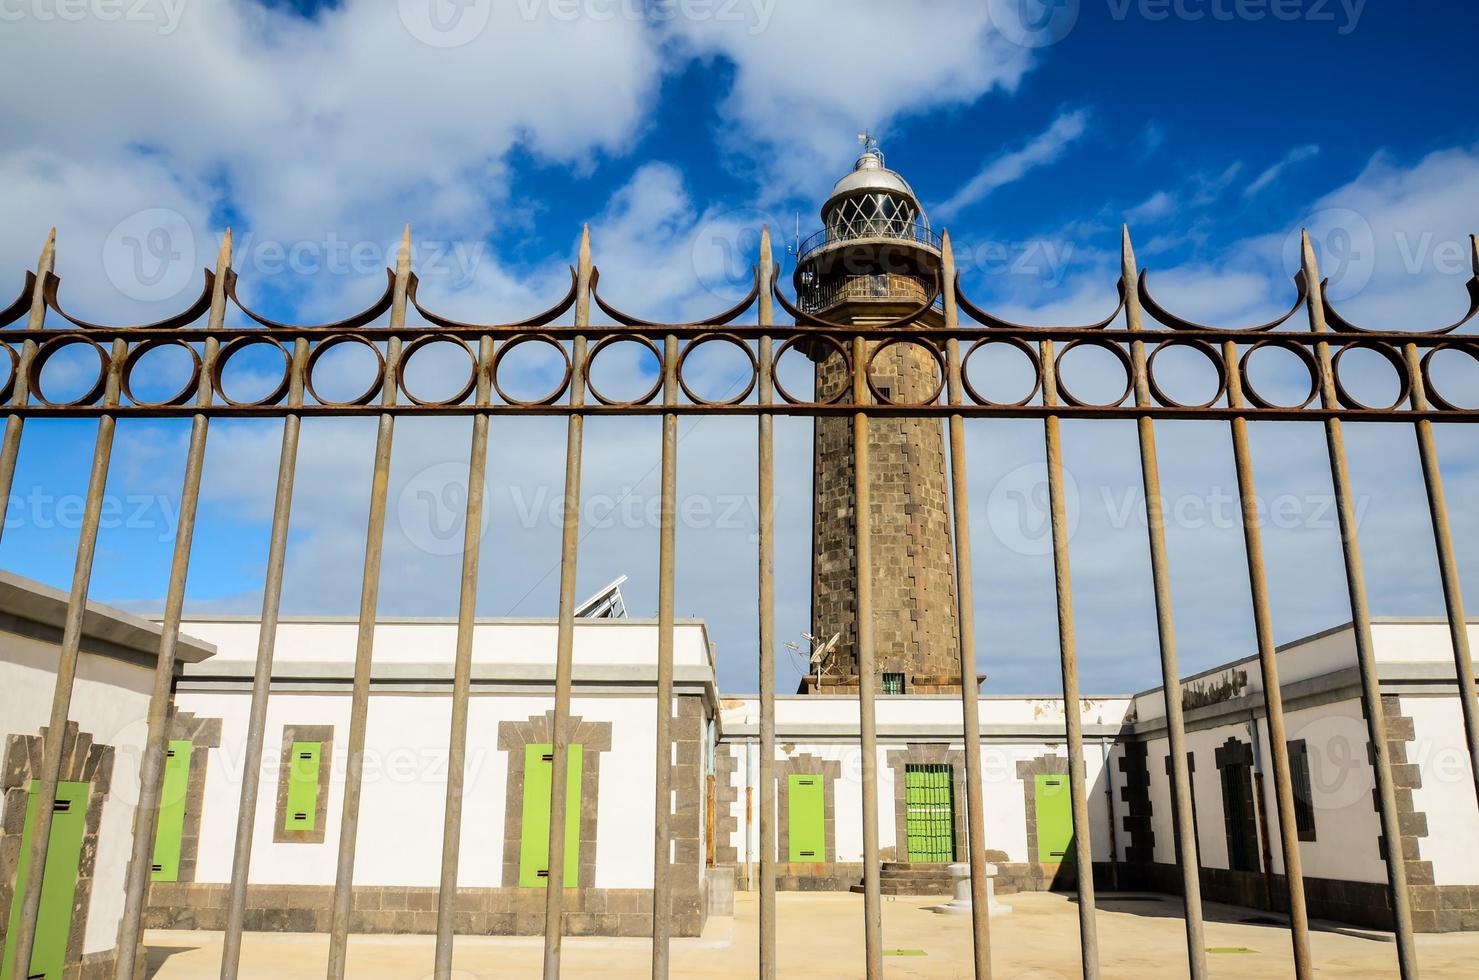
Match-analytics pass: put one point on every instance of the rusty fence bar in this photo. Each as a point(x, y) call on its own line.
point(1376, 724)
point(766, 490)
point(1068, 649)
point(262, 677)
point(970, 695)
point(29, 891)
point(554, 896)
point(1453, 596)
point(1184, 822)
point(151, 765)
point(1273, 692)
point(662, 871)
point(867, 721)
point(359, 708)
point(467, 608)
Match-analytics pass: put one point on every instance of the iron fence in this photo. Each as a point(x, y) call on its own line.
point(1149, 330)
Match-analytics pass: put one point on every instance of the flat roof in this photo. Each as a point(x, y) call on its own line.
point(105, 630)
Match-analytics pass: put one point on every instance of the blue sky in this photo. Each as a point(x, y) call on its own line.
point(1216, 129)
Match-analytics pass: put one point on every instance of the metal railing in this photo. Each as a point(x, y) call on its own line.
point(212, 346)
point(901, 229)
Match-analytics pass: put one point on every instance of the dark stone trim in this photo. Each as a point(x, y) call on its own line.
point(304, 733)
point(691, 794)
point(83, 761)
point(726, 795)
point(594, 737)
point(203, 734)
point(918, 754)
point(1135, 794)
point(831, 772)
point(1435, 908)
point(396, 909)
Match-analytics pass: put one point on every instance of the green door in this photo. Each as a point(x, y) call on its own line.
point(929, 798)
point(59, 884)
point(539, 769)
point(303, 763)
point(806, 819)
point(1054, 819)
point(172, 796)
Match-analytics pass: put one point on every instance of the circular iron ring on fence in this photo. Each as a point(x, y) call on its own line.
point(606, 342)
point(8, 389)
point(921, 343)
point(836, 345)
point(1021, 345)
point(51, 347)
point(236, 347)
point(137, 354)
point(1119, 352)
point(1206, 350)
point(531, 338)
point(1433, 394)
point(1298, 350)
point(1390, 356)
point(426, 340)
point(726, 338)
point(328, 344)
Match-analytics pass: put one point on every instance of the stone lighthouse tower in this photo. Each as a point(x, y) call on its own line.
point(876, 260)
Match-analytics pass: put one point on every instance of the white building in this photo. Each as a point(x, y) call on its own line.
point(819, 798)
point(92, 818)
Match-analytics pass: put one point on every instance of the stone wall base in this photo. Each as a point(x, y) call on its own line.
point(1435, 908)
point(1010, 878)
point(403, 910)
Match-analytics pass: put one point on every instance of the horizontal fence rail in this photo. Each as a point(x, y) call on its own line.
point(949, 331)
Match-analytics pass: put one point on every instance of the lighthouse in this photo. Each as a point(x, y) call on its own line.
point(875, 260)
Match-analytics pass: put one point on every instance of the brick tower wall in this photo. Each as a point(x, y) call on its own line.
point(913, 560)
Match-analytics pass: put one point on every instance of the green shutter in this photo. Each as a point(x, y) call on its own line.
point(172, 796)
point(302, 812)
point(1054, 805)
point(929, 812)
point(807, 821)
point(58, 886)
point(539, 770)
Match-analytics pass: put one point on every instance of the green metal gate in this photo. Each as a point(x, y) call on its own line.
point(929, 797)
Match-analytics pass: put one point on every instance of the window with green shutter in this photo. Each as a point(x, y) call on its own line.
point(303, 788)
point(59, 882)
point(539, 768)
point(171, 829)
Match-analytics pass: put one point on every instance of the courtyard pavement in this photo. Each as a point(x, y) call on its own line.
point(819, 938)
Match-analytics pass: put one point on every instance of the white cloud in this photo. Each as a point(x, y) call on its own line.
point(818, 73)
point(1265, 179)
point(1157, 207)
point(1042, 149)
